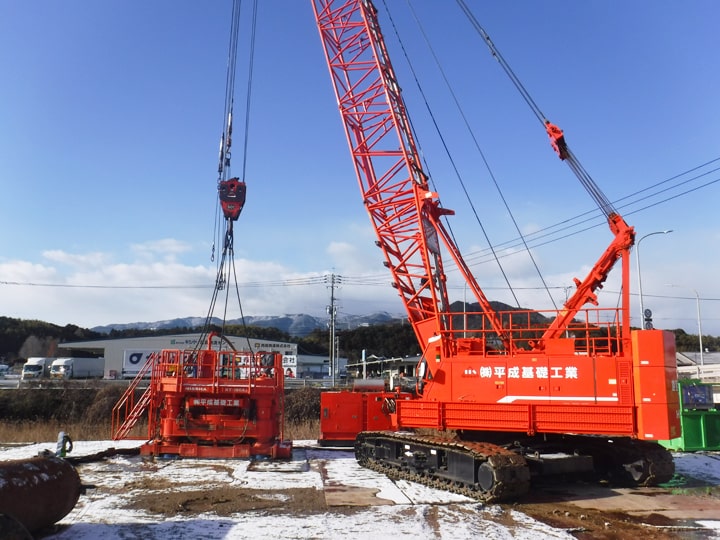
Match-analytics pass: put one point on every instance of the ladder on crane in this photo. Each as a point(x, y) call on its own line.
point(129, 409)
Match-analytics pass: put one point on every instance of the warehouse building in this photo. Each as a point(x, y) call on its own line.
point(124, 357)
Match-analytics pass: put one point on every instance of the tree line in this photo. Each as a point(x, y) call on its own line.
point(23, 338)
point(20, 339)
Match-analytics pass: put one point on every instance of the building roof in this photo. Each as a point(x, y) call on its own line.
point(174, 341)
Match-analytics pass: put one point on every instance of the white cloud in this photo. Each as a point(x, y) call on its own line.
point(167, 249)
point(79, 260)
point(88, 290)
point(91, 289)
point(350, 258)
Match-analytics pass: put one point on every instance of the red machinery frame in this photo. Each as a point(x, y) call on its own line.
point(209, 404)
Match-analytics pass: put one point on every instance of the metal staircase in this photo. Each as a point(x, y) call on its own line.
point(128, 410)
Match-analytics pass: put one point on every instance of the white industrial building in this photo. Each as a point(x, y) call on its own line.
point(125, 356)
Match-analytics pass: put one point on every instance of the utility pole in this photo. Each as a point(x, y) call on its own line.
point(702, 360)
point(645, 320)
point(332, 312)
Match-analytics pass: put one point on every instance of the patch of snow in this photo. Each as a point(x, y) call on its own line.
point(401, 509)
point(699, 465)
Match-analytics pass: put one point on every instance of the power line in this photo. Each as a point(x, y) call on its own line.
point(314, 280)
point(360, 280)
point(71, 286)
point(588, 217)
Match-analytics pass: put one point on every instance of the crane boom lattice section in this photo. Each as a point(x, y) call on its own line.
point(404, 211)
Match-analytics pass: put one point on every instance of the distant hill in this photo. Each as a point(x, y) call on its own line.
point(294, 324)
point(297, 325)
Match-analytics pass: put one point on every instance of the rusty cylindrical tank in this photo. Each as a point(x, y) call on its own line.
point(38, 492)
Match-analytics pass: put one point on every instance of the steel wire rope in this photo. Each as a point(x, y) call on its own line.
point(447, 151)
point(251, 63)
point(219, 285)
point(662, 201)
point(595, 213)
point(276, 283)
point(574, 164)
point(591, 187)
point(242, 314)
point(246, 137)
point(585, 179)
point(225, 149)
point(501, 60)
point(226, 136)
point(483, 157)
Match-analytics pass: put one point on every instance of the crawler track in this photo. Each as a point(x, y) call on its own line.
point(483, 471)
point(492, 473)
point(641, 463)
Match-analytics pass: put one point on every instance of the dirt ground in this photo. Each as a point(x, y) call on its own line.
point(583, 523)
point(587, 511)
point(597, 510)
point(559, 509)
point(225, 501)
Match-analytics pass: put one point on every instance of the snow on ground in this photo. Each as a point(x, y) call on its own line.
point(700, 465)
point(396, 509)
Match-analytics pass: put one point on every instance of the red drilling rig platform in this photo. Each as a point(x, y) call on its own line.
point(209, 403)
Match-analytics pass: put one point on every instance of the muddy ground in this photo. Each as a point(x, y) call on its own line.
point(587, 511)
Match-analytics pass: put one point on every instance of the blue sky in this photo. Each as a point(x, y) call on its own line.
point(111, 113)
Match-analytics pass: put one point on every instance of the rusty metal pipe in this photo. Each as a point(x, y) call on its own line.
point(38, 492)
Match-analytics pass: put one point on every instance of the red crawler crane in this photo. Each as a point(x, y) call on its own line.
point(578, 394)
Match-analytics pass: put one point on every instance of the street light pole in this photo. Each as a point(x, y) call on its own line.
point(697, 298)
point(699, 322)
point(637, 261)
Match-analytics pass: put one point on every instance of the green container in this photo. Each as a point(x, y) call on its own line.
point(699, 419)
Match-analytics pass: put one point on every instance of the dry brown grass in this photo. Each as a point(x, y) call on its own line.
point(302, 431)
point(47, 431)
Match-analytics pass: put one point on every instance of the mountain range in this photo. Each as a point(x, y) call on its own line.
point(299, 324)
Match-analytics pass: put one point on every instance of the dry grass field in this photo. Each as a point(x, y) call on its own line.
point(37, 414)
point(47, 431)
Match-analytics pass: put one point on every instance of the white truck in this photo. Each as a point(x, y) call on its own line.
point(78, 368)
point(36, 368)
point(134, 360)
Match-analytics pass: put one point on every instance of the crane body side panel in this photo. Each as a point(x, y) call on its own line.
point(530, 379)
point(656, 384)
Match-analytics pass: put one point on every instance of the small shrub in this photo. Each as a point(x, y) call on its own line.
point(302, 405)
point(100, 410)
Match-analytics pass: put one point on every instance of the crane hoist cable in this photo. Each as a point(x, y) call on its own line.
point(491, 248)
point(557, 138)
point(442, 138)
point(232, 189)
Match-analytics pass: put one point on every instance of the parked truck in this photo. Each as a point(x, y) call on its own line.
point(77, 368)
point(36, 368)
